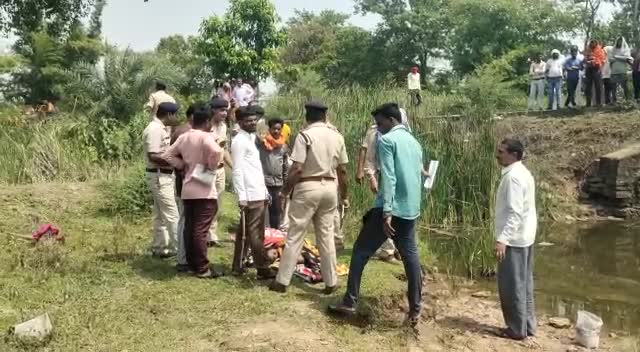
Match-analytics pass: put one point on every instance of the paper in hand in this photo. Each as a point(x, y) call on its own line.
point(433, 169)
point(203, 175)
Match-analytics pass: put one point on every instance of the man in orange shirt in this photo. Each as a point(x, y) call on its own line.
point(595, 59)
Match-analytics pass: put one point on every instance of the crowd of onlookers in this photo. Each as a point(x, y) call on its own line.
point(601, 71)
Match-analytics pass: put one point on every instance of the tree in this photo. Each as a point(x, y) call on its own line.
point(415, 31)
point(119, 88)
point(182, 53)
point(312, 40)
point(484, 30)
point(48, 57)
point(244, 42)
point(55, 16)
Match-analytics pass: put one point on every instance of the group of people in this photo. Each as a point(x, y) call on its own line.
point(601, 69)
point(305, 184)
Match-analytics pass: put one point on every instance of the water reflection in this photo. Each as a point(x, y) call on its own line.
point(594, 268)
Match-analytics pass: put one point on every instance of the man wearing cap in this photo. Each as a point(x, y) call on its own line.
point(158, 97)
point(219, 109)
point(159, 175)
point(319, 161)
point(555, 73)
point(249, 185)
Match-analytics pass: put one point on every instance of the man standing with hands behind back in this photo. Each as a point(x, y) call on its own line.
point(516, 226)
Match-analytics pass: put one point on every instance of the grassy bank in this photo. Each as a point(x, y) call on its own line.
point(76, 148)
point(105, 293)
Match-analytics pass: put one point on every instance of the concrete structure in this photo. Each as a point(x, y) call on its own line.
point(614, 179)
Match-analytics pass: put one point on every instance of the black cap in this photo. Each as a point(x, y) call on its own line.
point(256, 110)
point(218, 103)
point(316, 105)
point(170, 108)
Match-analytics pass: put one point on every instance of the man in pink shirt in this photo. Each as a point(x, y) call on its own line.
point(197, 153)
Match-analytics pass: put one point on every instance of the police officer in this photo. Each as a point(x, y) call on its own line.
point(159, 175)
point(319, 162)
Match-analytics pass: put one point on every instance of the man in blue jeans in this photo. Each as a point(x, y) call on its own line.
point(394, 214)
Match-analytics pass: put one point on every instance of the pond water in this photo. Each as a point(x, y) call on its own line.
point(592, 267)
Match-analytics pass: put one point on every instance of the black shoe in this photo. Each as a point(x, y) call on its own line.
point(329, 290)
point(397, 255)
point(277, 287)
point(266, 274)
point(341, 309)
point(215, 244)
point(183, 268)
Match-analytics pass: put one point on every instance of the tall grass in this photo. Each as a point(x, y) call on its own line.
point(463, 196)
point(77, 149)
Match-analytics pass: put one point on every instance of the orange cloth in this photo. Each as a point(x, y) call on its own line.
point(271, 143)
point(598, 56)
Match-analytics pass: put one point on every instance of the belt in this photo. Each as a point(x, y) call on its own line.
point(162, 171)
point(537, 79)
point(316, 179)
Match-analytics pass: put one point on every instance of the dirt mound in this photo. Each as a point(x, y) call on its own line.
point(459, 322)
point(559, 150)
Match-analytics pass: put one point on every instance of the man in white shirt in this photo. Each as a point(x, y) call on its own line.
point(243, 93)
point(413, 82)
point(555, 73)
point(249, 185)
point(536, 85)
point(516, 226)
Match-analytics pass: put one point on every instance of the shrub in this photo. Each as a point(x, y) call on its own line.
point(129, 195)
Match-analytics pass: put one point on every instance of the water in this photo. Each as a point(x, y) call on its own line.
point(590, 267)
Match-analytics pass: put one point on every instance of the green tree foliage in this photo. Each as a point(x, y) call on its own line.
point(56, 17)
point(243, 43)
point(182, 53)
point(414, 31)
point(8, 63)
point(339, 53)
point(119, 87)
point(46, 60)
point(489, 29)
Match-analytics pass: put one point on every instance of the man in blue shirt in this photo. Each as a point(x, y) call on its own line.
point(395, 212)
point(572, 67)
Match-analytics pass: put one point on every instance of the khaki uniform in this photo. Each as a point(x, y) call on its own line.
point(157, 98)
point(162, 185)
point(220, 133)
point(320, 148)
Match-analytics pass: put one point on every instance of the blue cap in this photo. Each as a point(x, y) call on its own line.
point(168, 108)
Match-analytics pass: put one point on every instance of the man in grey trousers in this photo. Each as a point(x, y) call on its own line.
point(516, 225)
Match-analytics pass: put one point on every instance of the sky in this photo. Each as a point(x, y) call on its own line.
point(140, 25)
